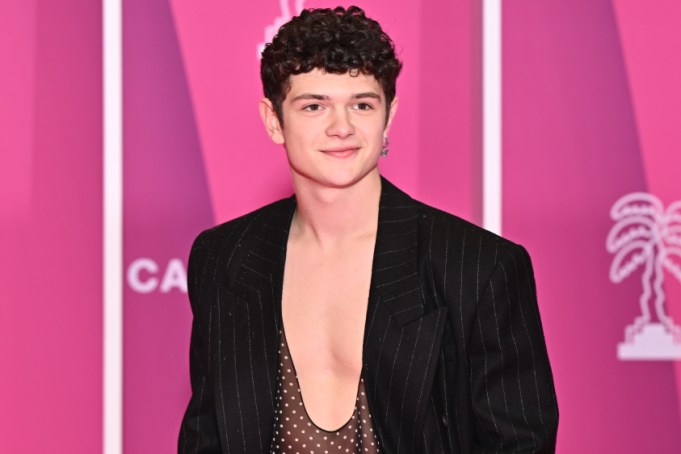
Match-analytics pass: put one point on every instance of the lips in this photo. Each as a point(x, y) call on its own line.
point(341, 152)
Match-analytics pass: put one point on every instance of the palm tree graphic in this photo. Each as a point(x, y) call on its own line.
point(648, 236)
point(289, 8)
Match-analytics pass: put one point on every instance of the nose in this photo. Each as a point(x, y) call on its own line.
point(341, 125)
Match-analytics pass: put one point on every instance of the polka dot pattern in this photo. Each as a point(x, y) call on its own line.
point(294, 431)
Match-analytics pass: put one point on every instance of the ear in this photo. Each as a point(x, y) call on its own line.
point(391, 115)
point(271, 121)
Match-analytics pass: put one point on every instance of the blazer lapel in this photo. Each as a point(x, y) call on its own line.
point(249, 319)
point(402, 334)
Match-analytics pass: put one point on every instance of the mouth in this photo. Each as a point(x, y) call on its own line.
point(341, 152)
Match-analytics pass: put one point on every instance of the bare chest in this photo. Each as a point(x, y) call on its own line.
point(324, 303)
point(324, 306)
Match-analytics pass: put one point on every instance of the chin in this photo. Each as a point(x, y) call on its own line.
point(334, 178)
point(345, 179)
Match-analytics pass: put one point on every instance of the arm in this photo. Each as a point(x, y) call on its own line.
point(198, 432)
point(512, 391)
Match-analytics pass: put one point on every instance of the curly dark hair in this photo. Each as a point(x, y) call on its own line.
point(337, 41)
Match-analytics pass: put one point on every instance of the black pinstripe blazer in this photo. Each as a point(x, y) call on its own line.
point(454, 359)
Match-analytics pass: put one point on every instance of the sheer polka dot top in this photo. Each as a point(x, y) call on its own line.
point(294, 431)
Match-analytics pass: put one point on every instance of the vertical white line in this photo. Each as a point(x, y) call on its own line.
point(113, 228)
point(492, 133)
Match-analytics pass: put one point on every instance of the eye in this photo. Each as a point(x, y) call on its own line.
point(312, 107)
point(363, 106)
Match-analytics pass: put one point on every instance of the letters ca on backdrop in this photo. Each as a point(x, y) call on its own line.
point(146, 275)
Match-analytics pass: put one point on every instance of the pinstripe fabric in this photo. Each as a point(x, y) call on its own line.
point(454, 359)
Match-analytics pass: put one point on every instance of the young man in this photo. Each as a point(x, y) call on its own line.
point(350, 317)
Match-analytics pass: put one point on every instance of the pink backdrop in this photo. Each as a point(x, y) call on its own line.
point(590, 113)
point(50, 226)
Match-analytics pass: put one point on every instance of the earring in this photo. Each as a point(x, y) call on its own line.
point(385, 150)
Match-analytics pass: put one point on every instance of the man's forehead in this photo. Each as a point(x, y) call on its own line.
point(330, 85)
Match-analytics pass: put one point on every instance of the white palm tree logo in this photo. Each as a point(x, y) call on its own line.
point(646, 235)
point(289, 8)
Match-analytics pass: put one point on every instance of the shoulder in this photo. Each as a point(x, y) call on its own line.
point(460, 260)
point(440, 225)
point(443, 232)
point(228, 235)
point(452, 245)
point(218, 251)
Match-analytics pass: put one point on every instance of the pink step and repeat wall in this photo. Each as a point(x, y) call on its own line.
point(591, 184)
point(50, 226)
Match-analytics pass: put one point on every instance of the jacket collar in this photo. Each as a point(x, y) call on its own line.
point(394, 266)
point(396, 306)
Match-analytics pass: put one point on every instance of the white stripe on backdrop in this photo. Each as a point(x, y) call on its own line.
point(491, 123)
point(112, 417)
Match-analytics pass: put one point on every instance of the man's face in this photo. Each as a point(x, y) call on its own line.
point(334, 126)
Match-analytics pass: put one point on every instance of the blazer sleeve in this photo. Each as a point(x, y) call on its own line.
point(512, 389)
point(198, 431)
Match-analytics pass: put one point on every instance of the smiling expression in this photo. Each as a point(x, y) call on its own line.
point(334, 126)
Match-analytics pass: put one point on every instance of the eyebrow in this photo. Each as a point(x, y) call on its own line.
point(367, 94)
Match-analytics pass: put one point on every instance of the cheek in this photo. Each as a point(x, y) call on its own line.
point(375, 135)
point(298, 142)
point(297, 130)
point(298, 139)
point(378, 126)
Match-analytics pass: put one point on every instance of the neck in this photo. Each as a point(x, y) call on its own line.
point(332, 216)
